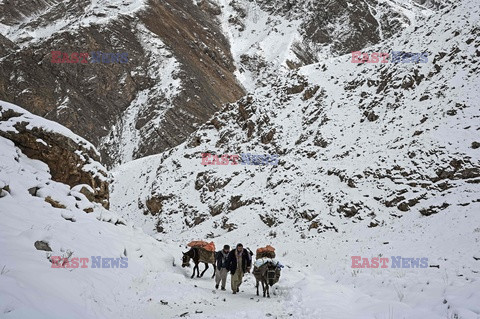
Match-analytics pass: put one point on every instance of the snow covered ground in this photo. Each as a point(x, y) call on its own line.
point(267, 37)
point(317, 282)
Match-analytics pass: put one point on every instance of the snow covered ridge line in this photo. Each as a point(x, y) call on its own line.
point(97, 57)
point(397, 57)
point(245, 159)
point(97, 262)
point(397, 262)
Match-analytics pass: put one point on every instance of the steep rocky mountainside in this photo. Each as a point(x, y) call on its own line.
point(269, 35)
point(69, 159)
point(179, 70)
point(186, 59)
point(362, 143)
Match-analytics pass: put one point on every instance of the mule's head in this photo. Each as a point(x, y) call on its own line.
point(185, 260)
point(272, 274)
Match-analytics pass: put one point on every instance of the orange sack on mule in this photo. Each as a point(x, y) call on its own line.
point(202, 244)
point(197, 243)
point(210, 246)
point(267, 251)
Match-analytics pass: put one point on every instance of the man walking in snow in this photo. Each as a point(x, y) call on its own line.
point(238, 263)
point(221, 264)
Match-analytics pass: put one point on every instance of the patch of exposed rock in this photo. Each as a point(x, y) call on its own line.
point(70, 162)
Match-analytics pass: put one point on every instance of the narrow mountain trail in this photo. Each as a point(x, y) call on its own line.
point(300, 293)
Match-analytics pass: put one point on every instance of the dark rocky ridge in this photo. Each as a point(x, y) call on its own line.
point(198, 43)
point(96, 95)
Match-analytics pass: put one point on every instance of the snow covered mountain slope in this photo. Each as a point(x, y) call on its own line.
point(42, 218)
point(316, 281)
point(34, 22)
point(268, 35)
point(374, 159)
point(38, 227)
point(368, 142)
point(71, 159)
point(35, 230)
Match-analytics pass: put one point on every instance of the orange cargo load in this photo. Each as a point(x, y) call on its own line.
point(268, 248)
point(210, 247)
point(265, 252)
point(202, 244)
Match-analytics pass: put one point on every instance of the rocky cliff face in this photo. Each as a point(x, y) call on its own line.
point(179, 71)
point(70, 159)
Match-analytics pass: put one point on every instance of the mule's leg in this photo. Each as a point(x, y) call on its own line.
point(193, 274)
point(263, 287)
point(195, 269)
point(214, 270)
point(206, 267)
point(268, 290)
point(198, 270)
point(257, 286)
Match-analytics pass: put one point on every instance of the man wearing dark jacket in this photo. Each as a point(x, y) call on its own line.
point(238, 263)
point(221, 264)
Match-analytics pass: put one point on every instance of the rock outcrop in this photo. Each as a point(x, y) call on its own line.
point(71, 160)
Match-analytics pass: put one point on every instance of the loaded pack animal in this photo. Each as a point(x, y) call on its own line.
point(199, 256)
point(268, 274)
